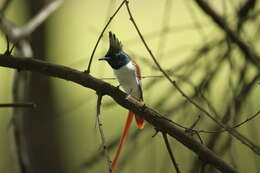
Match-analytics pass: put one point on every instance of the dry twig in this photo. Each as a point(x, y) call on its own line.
point(101, 35)
point(166, 141)
point(22, 105)
point(102, 135)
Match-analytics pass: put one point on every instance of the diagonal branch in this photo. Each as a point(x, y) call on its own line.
point(101, 35)
point(150, 115)
point(248, 119)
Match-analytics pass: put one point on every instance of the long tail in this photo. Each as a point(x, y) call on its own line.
point(122, 139)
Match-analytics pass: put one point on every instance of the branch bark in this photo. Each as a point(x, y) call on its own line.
point(151, 116)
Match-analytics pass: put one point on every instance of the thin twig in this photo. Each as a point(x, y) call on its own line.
point(17, 105)
point(173, 82)
point(101, 35)
point(248, 119)
point(217, 131)
point(196, 122)
point(143, 77)
point(200, 138)
point(166, 141)
point(235, 126)
point(103, 139)
point(8, 50)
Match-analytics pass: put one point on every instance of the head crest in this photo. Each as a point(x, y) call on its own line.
point(115, 44)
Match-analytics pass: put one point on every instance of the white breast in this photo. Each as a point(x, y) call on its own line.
point(127, 78)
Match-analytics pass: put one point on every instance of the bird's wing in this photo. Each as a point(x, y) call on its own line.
point(139, 77)
point(138, 71)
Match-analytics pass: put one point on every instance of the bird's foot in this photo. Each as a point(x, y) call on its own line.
point(135, 101)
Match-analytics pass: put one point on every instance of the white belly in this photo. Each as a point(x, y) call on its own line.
point(127, 78)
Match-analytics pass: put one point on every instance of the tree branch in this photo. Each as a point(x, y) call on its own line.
point(101, 35)
point(150, 115)
point(102, 135)
point(166, 141)
point(18, 105)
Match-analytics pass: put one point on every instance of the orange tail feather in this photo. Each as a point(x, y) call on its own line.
point(122, 139)
point(140, 121)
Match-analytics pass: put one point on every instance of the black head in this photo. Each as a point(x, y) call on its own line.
point(115, 55)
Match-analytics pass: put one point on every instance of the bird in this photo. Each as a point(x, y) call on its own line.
point(128, 74)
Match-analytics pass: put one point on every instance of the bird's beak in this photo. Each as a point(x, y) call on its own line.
point(104, 58)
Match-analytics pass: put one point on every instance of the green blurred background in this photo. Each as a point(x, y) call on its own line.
point(61, 132)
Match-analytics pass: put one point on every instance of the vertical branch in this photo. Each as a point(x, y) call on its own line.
point(166, 141)
point(21, 80)
point(103, 140)
point(20, 91)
